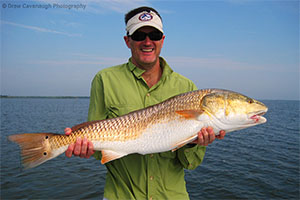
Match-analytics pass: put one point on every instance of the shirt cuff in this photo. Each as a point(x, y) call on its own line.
point(97, 155)
point(191, 155)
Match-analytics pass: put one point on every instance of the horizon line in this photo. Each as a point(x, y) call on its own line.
point(86, 97)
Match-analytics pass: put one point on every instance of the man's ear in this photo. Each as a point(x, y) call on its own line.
point(126, 39)
point(163, 39)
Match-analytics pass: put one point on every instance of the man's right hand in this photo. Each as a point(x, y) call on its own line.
point(82, 148)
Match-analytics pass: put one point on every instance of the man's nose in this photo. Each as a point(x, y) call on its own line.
point(147, 40)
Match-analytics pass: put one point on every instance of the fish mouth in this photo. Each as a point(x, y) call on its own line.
point(258, 117)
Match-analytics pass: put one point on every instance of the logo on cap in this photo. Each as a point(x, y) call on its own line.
point(145, 17)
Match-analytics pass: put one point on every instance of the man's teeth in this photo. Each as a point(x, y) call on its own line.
point(147, 50)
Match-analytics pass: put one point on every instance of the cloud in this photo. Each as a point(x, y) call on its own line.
point(39, 29)
point(82, 60)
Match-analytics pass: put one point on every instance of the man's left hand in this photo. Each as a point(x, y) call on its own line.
point(207, 136)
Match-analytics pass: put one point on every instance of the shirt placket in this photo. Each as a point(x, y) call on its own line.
point(151, 177)
point(150, 158)
point(149, 100)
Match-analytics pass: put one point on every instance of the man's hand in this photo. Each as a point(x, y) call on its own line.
point(207, 136)
point(82, 148)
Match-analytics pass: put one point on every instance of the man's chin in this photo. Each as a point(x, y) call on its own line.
point(145, 62)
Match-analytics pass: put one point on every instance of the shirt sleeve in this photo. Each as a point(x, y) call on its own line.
point(191, 155)
point(194, 87)
point(97, 110)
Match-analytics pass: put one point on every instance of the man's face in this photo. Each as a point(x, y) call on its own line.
point(145, 54)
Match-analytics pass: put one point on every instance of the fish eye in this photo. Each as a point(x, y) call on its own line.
point(250, 101)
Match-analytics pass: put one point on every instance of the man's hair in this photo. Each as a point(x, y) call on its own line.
point(135, 11)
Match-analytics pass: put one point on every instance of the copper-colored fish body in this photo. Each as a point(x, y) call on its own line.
point(162, 127)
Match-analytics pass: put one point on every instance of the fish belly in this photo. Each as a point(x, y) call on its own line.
point(155, 138)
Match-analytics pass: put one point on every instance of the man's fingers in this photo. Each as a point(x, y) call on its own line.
point(69, 151)
point(84, 148)
point(221, 135)
point(205, 136)
point(211, 134)
point(77, 148)
point(202, 137)
point(90, 149)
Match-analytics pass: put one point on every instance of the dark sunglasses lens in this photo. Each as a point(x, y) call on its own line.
point(140, 36)
point(155, 35)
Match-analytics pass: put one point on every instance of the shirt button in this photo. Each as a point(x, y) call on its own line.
point(148, 94)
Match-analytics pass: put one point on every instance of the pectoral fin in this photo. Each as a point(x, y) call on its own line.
point(189, 114)
point(184, 142)
point(108, 155)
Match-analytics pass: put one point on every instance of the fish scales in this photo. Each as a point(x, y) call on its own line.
point(166, 126)
point(131, 126)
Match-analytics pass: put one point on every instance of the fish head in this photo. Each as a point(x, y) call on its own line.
point(233, 111)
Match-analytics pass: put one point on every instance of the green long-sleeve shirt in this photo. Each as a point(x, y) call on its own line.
point(119, 90)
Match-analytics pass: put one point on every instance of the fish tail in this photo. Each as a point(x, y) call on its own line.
point(35, 148)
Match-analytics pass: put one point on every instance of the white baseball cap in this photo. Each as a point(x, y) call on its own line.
point(144, 19)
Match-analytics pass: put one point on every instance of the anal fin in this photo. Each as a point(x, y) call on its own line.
point(108, 155)
point(184, 142)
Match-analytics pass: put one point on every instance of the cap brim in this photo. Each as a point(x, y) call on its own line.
point(140, 25)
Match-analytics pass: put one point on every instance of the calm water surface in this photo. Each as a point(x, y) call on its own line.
point(261, 162)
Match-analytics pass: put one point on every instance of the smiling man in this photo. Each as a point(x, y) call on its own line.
point(145, 80)
point(145, 53)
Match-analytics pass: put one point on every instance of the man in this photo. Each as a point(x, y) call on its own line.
point(145, 80)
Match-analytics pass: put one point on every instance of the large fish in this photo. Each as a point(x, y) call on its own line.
point(166, 126)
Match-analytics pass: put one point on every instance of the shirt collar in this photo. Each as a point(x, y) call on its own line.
point(166, 68)
point(136, 71)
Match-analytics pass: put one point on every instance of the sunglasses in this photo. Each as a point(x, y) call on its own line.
point(140, 36)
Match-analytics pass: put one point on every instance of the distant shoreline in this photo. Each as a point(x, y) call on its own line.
point(87, 97)
point(47, 97)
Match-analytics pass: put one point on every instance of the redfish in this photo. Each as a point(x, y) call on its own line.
point(163, 127)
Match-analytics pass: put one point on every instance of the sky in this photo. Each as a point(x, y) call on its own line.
point(55, 48)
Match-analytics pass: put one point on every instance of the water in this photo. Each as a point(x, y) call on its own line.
point(261, 162)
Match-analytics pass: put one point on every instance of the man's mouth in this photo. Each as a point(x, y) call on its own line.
point(147, 50)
